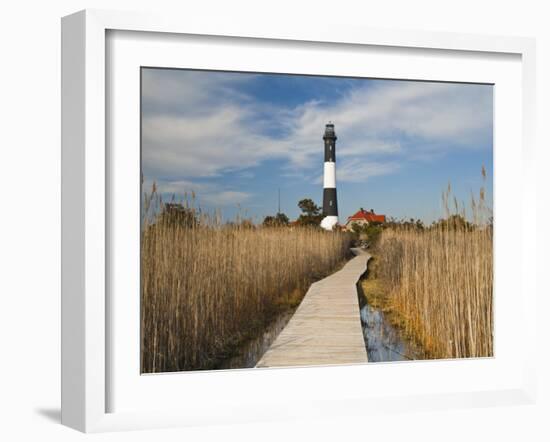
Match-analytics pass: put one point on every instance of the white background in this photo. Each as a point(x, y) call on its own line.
point(268, 389)
point(30, 232)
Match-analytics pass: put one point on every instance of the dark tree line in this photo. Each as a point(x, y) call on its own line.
point(279, 220)
point(311, 216)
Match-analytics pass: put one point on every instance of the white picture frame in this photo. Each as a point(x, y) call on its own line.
point(85, 210)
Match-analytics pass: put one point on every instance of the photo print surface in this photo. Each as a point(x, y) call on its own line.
point(302, 220)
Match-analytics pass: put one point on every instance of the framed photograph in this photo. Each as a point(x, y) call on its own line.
point(259, 223)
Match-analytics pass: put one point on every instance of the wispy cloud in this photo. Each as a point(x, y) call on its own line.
point(211, 194)
point(226, 198)
point(356, 170)
point(203, 146)
point(205, 124)
point(174, 91)
point(390, 117)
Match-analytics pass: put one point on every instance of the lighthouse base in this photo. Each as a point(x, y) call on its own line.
point(328, 222)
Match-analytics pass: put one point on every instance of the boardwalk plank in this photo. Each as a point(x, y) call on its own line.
point(326, 327)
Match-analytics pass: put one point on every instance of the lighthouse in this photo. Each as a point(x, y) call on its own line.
point(330, 205)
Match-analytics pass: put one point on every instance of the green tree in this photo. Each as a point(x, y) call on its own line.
point(282, 219)
point(269, 221)
point(308, 207)
point(178, 214)
point(357, 228)
point(279, 220)
point(311, 213)
point(371, 230)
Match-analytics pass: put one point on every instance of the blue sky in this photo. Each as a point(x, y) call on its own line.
point(234, 139)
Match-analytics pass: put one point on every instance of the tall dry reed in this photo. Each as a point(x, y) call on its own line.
point(440, 280)
point(206, 286)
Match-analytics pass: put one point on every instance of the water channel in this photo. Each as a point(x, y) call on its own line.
point(384, 342)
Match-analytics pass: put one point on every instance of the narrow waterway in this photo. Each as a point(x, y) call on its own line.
point(383, 341)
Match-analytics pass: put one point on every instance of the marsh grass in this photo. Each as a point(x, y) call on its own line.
point(439, 281)
point(206, 286)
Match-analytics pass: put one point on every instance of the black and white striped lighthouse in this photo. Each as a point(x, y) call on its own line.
point(330, 204)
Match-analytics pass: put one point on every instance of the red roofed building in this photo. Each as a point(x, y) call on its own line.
point(364, 217)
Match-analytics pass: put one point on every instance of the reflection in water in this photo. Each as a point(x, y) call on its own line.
point(252, 351)
point(384, 342)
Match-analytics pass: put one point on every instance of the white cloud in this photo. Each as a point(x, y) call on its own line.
point(378, 120)
point(201, 146)
point(200, 193)
point(198, 125)
point(174, 90)
point(356, 170)
point(226, 198)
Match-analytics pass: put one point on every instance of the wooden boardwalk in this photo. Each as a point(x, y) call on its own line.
point(326, 327)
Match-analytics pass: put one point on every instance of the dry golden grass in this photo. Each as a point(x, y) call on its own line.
point(439, 281)
point(207, 287)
